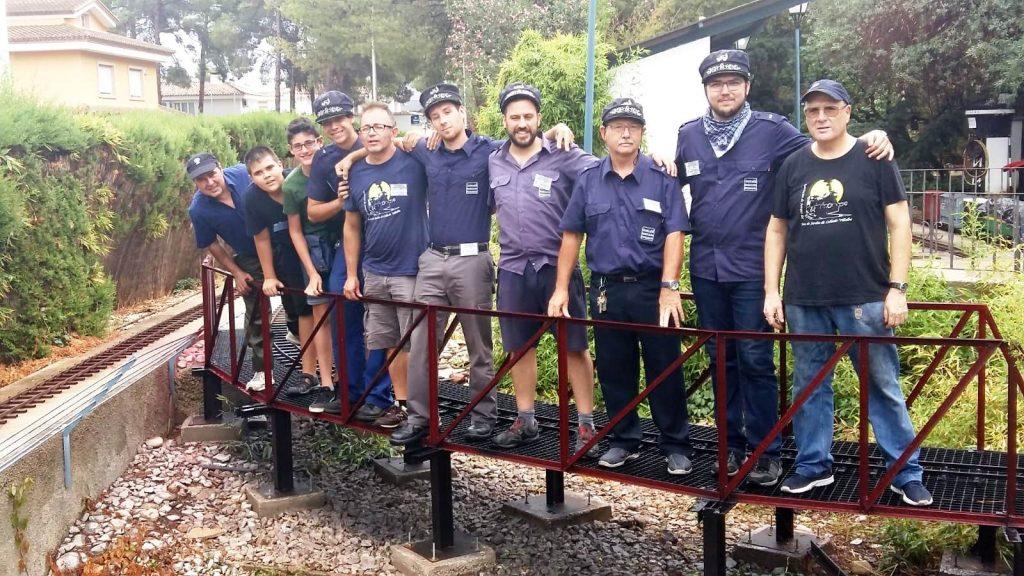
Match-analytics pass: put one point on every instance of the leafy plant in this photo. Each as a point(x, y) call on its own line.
point(18, 493)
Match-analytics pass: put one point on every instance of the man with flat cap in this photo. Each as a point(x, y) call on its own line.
point(634, 218)
point(335, 111)
point(841, 223)
point(729, 157)
point(217, 211)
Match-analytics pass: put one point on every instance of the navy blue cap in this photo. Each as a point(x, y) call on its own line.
point(830, 88)
point(439, 93)
point(623, 108)
point(331, 104)
point(200, 163)
point(725, 62)
point(518, 91)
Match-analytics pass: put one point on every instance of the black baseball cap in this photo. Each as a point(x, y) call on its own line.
point(623, 108)
point(830, 88)
point(201, 163)
point(725, 62)
point(518, 91)
point(332, 104)
point(439, 93)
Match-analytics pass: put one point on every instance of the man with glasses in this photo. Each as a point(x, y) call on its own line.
point(334, 112)
point(387, 206)
point(729, 158)
point(842, 224)
point(633, 216)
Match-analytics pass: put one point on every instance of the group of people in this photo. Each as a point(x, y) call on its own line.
point(377, 217)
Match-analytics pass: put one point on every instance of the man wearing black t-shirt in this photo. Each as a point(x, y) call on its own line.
point(833, 210)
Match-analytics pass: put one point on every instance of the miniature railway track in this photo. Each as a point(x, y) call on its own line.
point(20, 403)
point(937, 245)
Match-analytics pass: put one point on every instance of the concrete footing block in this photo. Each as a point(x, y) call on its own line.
point(466, 557)
point(761, 549)
point(576, 509)
point(396, 471)
point(196, 429)
point(955, 564)
point(266, 502)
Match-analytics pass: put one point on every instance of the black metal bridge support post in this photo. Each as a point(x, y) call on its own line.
point(554, 484)
point(442, 513)
point(714, 541)
point(213, 408)
point(783, 525)
point(281, 444)
point(1017, 562)
point(985, 547)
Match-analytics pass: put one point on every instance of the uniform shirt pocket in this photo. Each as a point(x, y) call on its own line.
point(650, 220)
point(754, 175)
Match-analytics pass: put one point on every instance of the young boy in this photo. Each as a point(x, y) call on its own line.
point(315, 244)
point(266, 222)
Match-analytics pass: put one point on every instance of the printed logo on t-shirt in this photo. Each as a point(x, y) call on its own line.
point(822, 203)
point(380, 201)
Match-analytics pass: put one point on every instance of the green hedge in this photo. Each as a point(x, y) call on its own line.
point(60, 174)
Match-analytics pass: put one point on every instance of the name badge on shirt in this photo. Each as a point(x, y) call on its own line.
point(692, 168)
point(647, 234)
point(472, 187)
point(469, 249)
point(652, 205)
point(399, 190)
point(543, 185)
point(750, 184)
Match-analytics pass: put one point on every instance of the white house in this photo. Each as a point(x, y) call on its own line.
point(227, 98)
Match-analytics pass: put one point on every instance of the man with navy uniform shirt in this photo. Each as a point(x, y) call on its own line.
point(633, 216)
point(217, 211)
point(729, 158)
point(335, 111)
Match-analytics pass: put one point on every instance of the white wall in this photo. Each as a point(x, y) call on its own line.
point(668, 86)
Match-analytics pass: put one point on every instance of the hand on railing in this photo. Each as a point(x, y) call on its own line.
point(315, 286)
point(272, 287)
point(352, 290)
point(243, 282)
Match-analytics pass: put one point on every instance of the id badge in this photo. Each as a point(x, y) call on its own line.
point(469, 249)
point(543, 185)
point(692, 168)
point(399, 190)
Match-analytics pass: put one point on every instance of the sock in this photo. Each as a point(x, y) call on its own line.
point(402, 404)
point(586, 420)
point(527, 417)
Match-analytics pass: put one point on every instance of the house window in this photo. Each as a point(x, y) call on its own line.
point(135, 83)
point(106, 80)
point(85, 20)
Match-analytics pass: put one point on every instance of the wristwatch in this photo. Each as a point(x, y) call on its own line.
point(671, 285)
point(901, 286)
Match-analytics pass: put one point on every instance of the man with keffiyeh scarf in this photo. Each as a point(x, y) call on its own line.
point(729, 158)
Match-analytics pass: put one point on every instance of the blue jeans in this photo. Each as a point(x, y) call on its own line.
point(752, 387)
point(887, 410)
point(361, 367)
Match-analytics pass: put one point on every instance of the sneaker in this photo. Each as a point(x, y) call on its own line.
point(291, 337)
point(732, 463)
point(478, 432)
point(407, 434)
point(583, 435)
point(393, 417)
point(914, 493)
point(518, 434)
point(307, 384)
point(616, 457)
point(678, 464)
point(766, 473)
point(324, 396)
point(258, 383)
point(369, 413)
point(798, 483)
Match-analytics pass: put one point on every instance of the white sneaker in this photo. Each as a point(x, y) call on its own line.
point(257, 384)
point(289, 336)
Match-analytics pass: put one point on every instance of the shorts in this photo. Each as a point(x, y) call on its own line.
point(385, 325)
point(322, 254)
point(530, 293)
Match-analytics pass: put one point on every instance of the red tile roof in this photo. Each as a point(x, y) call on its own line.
point(66, 33)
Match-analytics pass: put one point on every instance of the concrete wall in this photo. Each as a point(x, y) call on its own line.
point(668, 86)
point(102, 446)
point(72, 78)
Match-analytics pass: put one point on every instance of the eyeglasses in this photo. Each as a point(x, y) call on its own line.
point(731, 85)
point(830, 111)
point(374, 128)
point(307, 145)
point(622, 128)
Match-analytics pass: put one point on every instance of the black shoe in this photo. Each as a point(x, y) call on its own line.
point(408, 434)
point(324, 397)
point(766, 473)
point(798, 483)
point(478, 432)
point(369, 413)
point(732, 463)
point(518, 433)
point(307, 383)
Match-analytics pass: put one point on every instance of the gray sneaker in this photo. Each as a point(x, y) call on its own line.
point(678, 464)
point(616, 457)
point(517, 434)
point(732, 463)
point(766, 473)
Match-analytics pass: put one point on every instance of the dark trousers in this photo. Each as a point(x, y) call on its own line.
point(752, 387)
point(253, 318)
point(618, 365)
